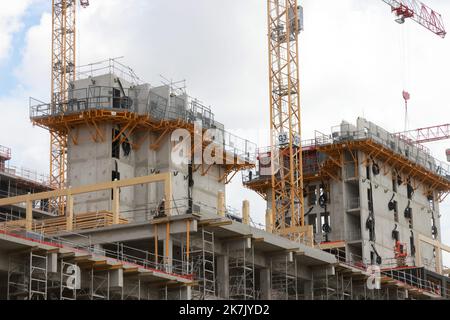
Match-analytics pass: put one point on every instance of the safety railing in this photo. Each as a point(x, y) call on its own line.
point(431, 264)
point(419, 146)
point(416, 282)
point(108, 66)
point(233, 214)
point(151, 210)
point(257, 225)
point(390, 268)
point(311, 160)
point(251, 175)
point(182, 108)
point(392, 142)
point(121, 252)
point(27, 174)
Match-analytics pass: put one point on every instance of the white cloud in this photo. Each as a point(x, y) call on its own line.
point(34, 70)
point(11, 14)
point(28, 144)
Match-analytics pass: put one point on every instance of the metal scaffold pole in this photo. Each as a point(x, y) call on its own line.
point(284, 279)
point(242, 272)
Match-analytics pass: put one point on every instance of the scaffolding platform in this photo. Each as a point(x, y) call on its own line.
point(98, 104)
point(323, 160)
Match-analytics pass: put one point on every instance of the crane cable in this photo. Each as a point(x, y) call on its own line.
point(405, 70)
point(78, 37)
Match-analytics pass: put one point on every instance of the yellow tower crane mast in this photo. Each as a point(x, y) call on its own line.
point(286, 199)
point(284, 24)
point(62, 74)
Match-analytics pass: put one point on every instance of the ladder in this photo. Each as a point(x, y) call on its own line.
point(204, 267)
point(38, 277)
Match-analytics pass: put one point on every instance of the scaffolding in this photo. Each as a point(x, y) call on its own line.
point(136, 111)
point(27, 277)
point(323, 159)
point(284, 279)
point(204, 267)
point(322, 287)
point(242, 272)
point(335, 286)
point(95, 285)
point(88, 273)
point(131, 290)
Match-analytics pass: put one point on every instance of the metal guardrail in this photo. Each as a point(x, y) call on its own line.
point(122, 252)
point(109, 66)
point(389, 268)
point(394, 143)
point(27, 174)
point(416, 153)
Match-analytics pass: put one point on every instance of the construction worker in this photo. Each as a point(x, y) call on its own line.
point(161, 208)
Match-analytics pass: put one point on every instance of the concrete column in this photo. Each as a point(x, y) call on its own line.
point(168, 254)
point(98, 249)
point(265, 284)
point(52, 262)
point(438, 259)
point(116, 278)
point(29, 216)
point(246, 212)
point(186, 293)
point(221, 204)
point(168, 195)
point(223, 281)
point(418, 257)
point(69, 213)
point(269, 221)
point(116, 205)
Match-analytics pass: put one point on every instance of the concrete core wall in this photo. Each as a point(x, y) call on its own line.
point(348, 206)
point(93, 156)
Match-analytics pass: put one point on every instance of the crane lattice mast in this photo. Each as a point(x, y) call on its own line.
point(63, 72)
point(285, 122)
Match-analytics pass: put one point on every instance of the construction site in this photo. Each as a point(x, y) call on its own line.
point(135, 204)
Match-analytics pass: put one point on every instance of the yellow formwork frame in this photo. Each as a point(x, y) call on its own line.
point(63, 124)
point(69, 193)
point(437, 245)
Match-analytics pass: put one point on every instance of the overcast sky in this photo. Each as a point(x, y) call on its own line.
point(355, 61)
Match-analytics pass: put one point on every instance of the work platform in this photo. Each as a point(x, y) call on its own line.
point(138, 109)
point(333, 277)
point(38, 269)
point(323, 160)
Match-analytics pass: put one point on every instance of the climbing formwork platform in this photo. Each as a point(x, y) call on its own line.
point(323, 159)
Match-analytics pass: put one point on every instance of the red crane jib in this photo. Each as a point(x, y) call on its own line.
point(420, 13)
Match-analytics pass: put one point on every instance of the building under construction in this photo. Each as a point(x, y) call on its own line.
point(135, 205)
point(139, 225)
